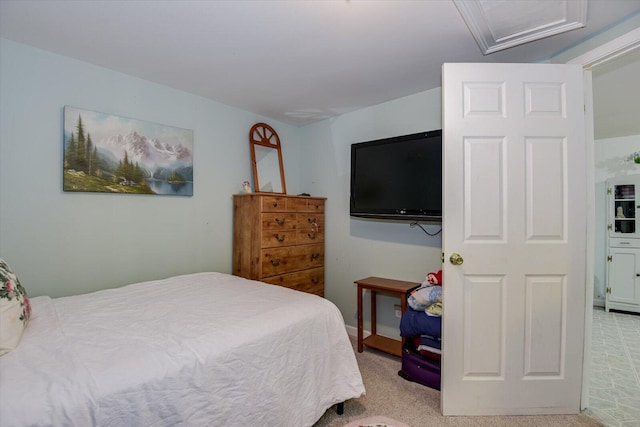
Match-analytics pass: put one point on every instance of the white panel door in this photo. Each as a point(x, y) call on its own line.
point(515, 211)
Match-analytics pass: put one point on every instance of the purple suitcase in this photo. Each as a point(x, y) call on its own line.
point(420, 369)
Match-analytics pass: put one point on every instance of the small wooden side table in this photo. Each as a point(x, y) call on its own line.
point(390, 286)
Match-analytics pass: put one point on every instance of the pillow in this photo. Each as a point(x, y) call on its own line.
point(14, 309)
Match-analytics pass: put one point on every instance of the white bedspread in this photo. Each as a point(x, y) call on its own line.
point(205, 349)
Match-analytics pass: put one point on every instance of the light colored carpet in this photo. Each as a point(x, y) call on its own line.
point(376, 422)
point(390, 396)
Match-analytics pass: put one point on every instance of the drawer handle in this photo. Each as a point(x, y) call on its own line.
point(315, 280)
point(314, 231)
point(312, 221)
point(275, 204)
point(280, 238)
point(315, 256)
point(280, 221)
point(275, 262)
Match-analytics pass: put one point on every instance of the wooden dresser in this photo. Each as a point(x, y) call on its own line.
point(279, 239)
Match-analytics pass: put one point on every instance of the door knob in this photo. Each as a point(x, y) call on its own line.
point(456, 259)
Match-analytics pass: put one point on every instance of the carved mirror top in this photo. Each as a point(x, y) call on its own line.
point(266, 158)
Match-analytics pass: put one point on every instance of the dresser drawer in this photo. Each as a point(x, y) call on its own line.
point(310, 228)
point(278, 221)
point(292, 258)
point(309, 218)
point(311, 281)
point(274, 203)
point(306, 204)
point(278, 238)
point(315, 205)
point(292, 204)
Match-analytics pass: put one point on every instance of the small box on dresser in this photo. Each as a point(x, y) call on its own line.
point(279, 239)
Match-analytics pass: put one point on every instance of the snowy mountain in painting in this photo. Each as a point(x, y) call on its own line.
point(151, 153)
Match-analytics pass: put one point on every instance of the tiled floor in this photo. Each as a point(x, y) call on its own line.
point(614, 396)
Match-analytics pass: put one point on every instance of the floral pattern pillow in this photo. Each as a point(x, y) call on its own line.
point(15, 310)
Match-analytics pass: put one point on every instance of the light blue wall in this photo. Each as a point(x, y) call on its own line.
point(357, 248)
point(68, 243)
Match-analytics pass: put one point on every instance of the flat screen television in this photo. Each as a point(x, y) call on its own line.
point(398, 178)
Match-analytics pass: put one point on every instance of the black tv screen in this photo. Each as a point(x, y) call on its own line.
point(398, 178)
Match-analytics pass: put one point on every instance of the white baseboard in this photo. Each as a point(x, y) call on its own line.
point(352, 331)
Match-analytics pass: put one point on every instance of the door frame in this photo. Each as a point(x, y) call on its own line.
point(600, 55)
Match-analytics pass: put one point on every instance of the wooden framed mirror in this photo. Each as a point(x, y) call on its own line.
point(266, 158)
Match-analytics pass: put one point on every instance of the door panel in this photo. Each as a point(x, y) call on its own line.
point(484, 168)
point(481, 292)
point(546, 188)
point(545, 326)
point(622, 276)
point(515, 210)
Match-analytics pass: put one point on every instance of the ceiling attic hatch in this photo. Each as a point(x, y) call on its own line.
point(501, 24)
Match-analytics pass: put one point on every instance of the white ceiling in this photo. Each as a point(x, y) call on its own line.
point(296, 61)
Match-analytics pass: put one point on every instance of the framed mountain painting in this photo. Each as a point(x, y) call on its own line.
point(106, 153)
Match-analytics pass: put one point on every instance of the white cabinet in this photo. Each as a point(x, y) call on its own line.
point(623, 244)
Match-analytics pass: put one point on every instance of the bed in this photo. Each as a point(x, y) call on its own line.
point(199, 349)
